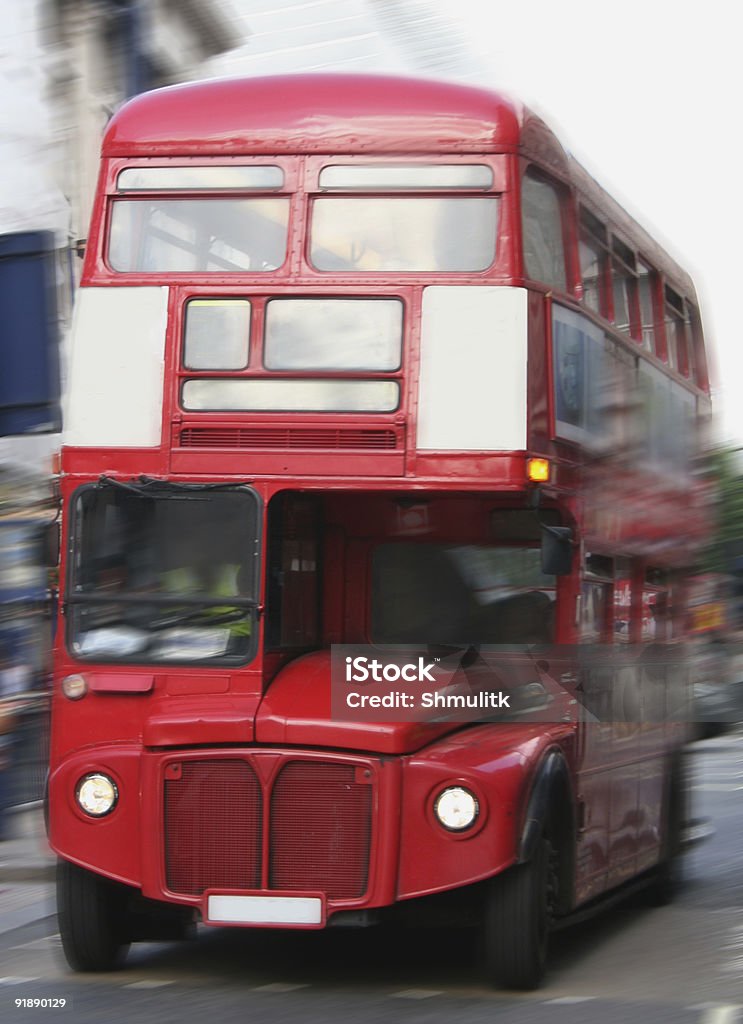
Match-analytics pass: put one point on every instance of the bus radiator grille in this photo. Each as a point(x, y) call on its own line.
point(320, 828)
point(213, 827)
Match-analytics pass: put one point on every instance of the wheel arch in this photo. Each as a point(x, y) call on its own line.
point(551, 810)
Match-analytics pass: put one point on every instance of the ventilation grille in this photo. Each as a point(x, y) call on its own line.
point(373, 439)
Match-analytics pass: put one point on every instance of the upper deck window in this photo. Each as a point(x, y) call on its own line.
point(217, 334)
point(397, 177)
point(592, 275)
point(199, 179)
point(386, 234)
point(677, 324)
point(698, 357)
point(646, 283)
point(624, 290)
point(271, 395)
point(544, 245)
point(333, 334)
point(198, 235)
point(400, 234)
point(593, 251)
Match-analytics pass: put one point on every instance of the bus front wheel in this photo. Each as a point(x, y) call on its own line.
point(668, 876)
point(92, 914)
point(516, 924)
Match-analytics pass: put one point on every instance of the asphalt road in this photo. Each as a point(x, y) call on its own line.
point(675, 964)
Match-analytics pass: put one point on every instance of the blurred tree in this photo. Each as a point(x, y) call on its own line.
point(724, 469)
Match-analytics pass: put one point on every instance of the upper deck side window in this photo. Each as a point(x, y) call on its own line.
point(618, 285)
point(366, 218)
point(647, 289)
point(543, 230)
point(697, 349)
point(228, 224)
point(594, 261)
point(677, 324)
point(625, 306)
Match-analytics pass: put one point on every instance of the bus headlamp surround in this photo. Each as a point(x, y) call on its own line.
point(75, 686)
point(456, 808)
point(96, 794)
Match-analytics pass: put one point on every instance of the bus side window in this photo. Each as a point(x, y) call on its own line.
point(647, 291)
point(544, 243)
point(594, 262)
point(594, 612)
point(626, 315)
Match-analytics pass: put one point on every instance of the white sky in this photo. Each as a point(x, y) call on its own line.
point(647, 95)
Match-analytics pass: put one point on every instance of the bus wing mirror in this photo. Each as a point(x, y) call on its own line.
point(557, 550)
point(50, 545)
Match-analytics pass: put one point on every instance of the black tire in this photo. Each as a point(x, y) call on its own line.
point(92, 912)
point(516, 925)
point(668, 876)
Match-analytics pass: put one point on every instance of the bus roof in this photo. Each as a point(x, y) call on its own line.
point(605, 207)
point(356, 114)
point(317, 113)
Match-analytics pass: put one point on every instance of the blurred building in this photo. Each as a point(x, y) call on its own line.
point(98, 53)
point(65, 66)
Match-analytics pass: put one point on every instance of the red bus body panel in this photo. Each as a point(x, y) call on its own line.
point(184, 744)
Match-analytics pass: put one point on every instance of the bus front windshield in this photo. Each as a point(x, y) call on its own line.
point(163, 574)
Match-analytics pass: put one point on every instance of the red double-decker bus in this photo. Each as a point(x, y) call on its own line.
point(364, 361)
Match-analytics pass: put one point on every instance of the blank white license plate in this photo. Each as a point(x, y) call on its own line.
point(265, 909)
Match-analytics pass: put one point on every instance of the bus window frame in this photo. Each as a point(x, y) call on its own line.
point(623, 263)
point(699, 353)
point(571, 257)
point(223, 662)
point(109, 194)
point(677, 325)
point(498, 190)
point(656, 342)
point(256, 369)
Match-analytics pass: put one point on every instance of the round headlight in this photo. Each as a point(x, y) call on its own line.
point(97, 794)
point(456, 808)
point(74, 687)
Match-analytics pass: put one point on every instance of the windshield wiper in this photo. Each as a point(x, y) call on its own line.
point(147, 486)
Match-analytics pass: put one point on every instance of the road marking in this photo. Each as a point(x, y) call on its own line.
point(149, 983)
point(47, 942)
point(279, 986)
point(734, 946)
point(15, 979)
point(718, 787)
point(416, 993)
point(721, 1015)
point(568, 1000)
